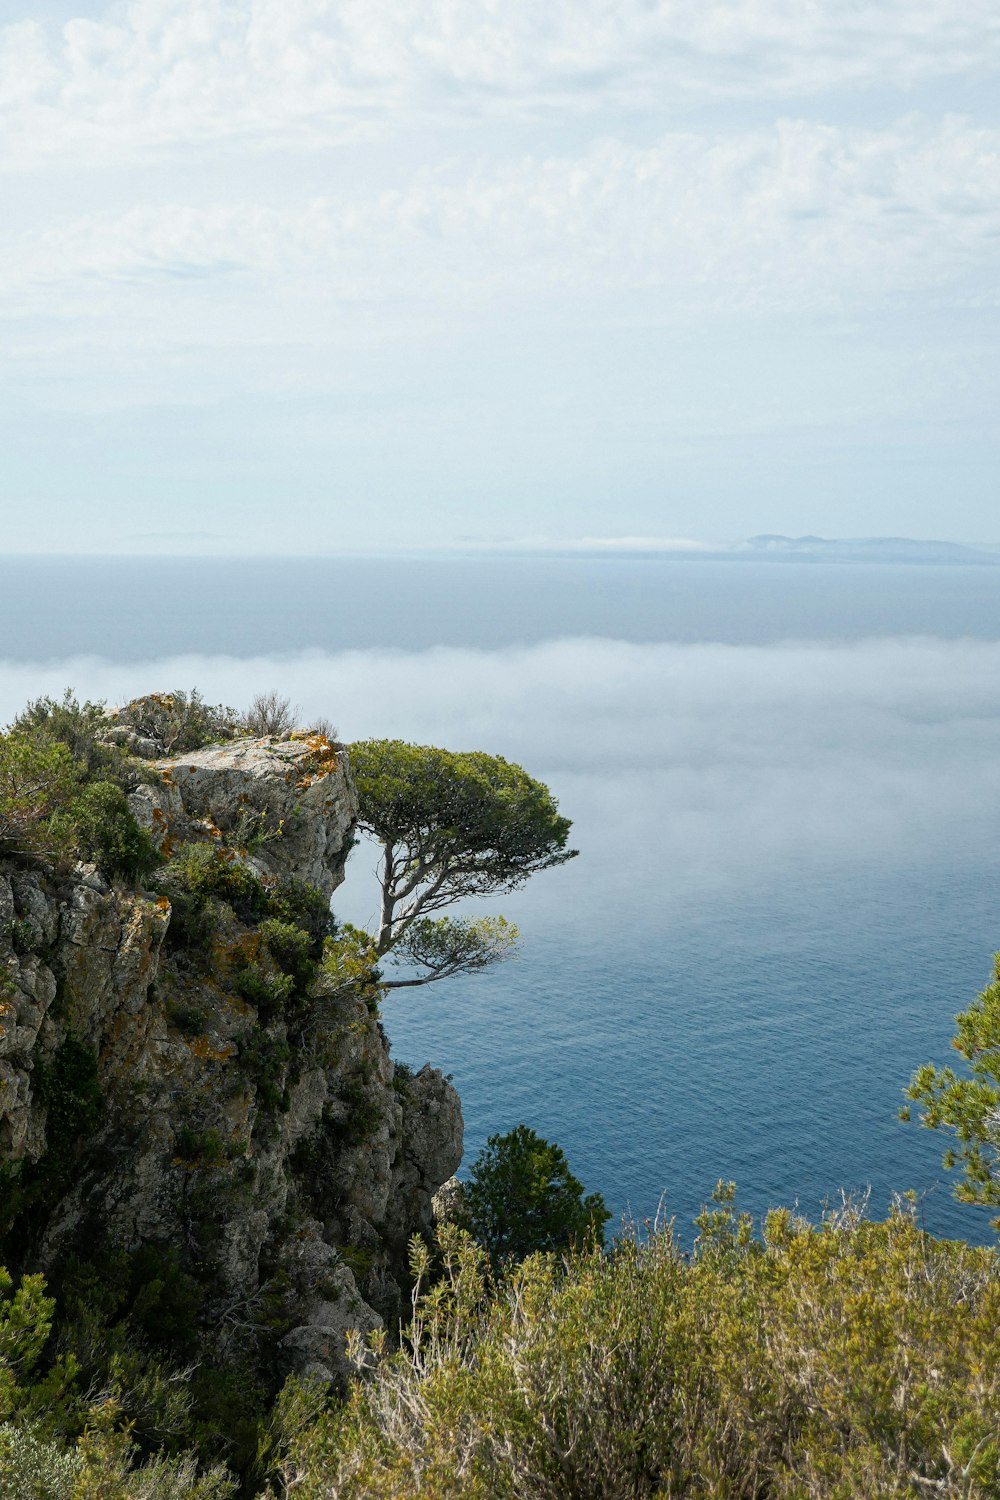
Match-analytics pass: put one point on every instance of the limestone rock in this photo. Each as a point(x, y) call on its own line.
point(448, 1203)
point(297, 795)
point(273, 1150)
point(431, 1144)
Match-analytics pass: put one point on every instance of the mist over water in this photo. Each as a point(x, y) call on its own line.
point(788, 832)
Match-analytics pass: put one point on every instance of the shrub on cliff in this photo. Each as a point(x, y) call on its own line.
point(37, 785)
point(270, 714)
point(62, 790)
point(180, 720)
point(107, 833)
point(810, 1363)
point(83, 729)
point(522, 1197)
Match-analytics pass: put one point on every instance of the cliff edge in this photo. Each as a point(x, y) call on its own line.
point(193, 1074)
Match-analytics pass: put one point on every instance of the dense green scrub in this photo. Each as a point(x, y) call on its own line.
point(850, 1359)
point(842, 1360)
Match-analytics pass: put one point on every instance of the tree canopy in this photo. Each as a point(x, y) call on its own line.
point(521, 1197)
point(969, 1106)
point(451, 825)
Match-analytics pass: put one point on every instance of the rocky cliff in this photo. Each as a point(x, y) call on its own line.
point(191, 1071)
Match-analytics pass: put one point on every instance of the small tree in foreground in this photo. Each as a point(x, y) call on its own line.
point(451, 825)
point(521, 1197)
point(969, 1107)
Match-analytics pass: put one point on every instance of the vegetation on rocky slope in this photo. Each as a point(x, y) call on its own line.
point(845, 1360)
point(205, 1147)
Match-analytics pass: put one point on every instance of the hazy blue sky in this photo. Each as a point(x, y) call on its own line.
point(295, 275)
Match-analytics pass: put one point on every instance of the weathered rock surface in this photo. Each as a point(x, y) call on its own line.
point(276, 1152)
point(296, 795)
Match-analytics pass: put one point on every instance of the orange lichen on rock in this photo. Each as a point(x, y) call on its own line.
point(201, 1047)
point(323, 758)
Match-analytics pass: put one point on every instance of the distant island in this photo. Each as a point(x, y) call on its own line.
point(773, 547)
point(880, 549)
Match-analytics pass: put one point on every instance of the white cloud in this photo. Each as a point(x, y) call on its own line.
point(150, 72)
point(792, 215)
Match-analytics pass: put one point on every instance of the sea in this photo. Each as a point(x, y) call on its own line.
point(784, 781)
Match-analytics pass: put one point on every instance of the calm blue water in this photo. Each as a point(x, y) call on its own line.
point(785, 786)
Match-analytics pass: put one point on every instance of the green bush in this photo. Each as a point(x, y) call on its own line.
point(189, 1019)
point(267, 992)
point(108, 833)
point(811, 1363)
point(194, 878)
point(82, 728)
point(522, 1197)
point(204, 870)
point(303, 906)
point(264, 1059)
point(180, 720)
point(21, 935)
point(38, 782)
point(361, 1118)
point(292, 950)
point(51, 806)
point(35, 1468)
point(967, 1106)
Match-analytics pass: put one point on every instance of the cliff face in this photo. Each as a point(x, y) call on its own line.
point(179, 1071)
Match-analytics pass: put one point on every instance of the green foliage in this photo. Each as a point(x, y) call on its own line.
point(292, 949)
point(522, 1197)
point(180, 720)
point(231, 1405)
point(480, 817)
point(83, 729)
point(968, 1107)
point(108, 833)
point(146, 1288)
point(189, 1019)
point(38, 782)
point(201, 1149)
point(111, 1466)
point(266, 991)
point(402, 1075)
point(451, 825)
point(361, 1115)
point(62, 790)
point(204, 870)
point(25, 1325)
point(357, 1260)
point(350, 962)
point(264, 1059)
point(444, 946)
point(35, 1468)
point(194, 879)
point(21, 935)
point(812, 1363)
point(301, 905)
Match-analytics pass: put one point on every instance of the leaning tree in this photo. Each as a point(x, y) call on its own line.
point(450, 825)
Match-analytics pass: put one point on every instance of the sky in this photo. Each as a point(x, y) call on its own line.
point(293, 276)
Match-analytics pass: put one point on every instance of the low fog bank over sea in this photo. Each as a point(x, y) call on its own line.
point(785, 784)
